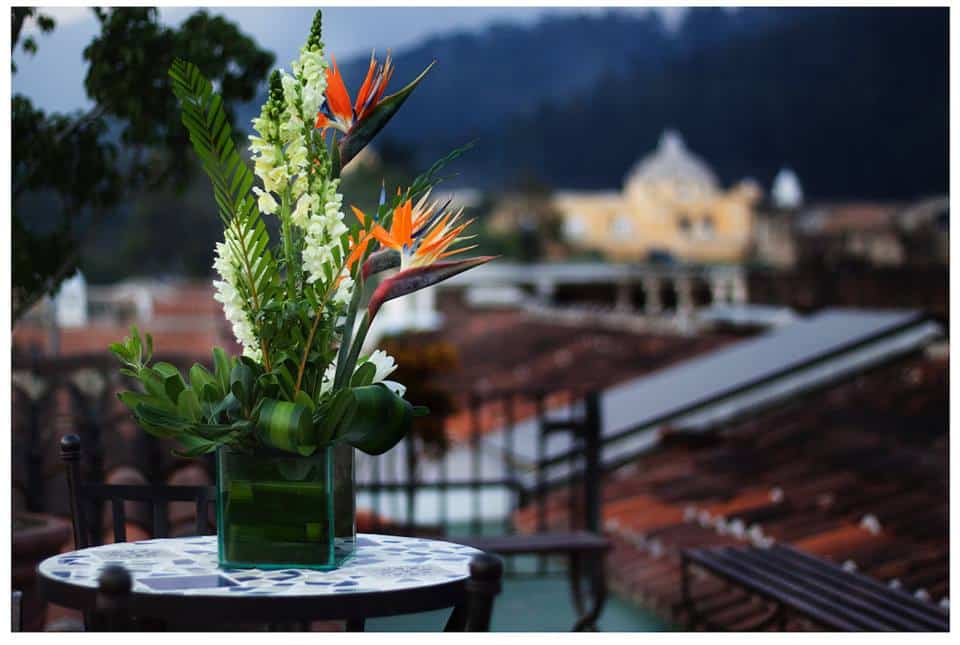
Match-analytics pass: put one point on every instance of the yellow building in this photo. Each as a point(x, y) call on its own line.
point(671, 203)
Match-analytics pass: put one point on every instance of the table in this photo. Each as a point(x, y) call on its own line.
point(179, 578)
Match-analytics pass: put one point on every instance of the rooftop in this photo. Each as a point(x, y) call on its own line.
point(856, 475)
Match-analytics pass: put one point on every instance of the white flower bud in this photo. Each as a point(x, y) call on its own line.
point(265, 201)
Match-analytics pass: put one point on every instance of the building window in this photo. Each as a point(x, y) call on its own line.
point(684, 225)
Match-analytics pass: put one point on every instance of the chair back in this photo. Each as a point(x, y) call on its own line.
point(87, 498)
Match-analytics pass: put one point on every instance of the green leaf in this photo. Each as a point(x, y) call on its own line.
point(200, 378)
point(188, 405)
point(364, 375)
point(287, 426)
point(196, 446)
point(222, 367)
point(381, 419)
point(172, 380)
point(155, 384)
point(229, 405)
point(120, 351)
point(346, 338)
point(334, 416)
point(242, 384)
point(302, 398)
point(364, 131)
point(335, 163)
point(134, 399)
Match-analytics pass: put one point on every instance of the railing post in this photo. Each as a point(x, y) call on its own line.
point(541, 481)
point(592, 484)
point(70, 454)
point(35, 493)
point(411, 463)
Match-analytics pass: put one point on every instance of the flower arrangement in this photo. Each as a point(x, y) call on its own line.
point(300, 308)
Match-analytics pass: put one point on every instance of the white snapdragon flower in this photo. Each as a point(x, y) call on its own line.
point(276, 179)
point(297, 157)
point(306, 204)
point(324, 227)
point(344, 290)
point(233, 303)
point(310, 69)
point(266, 126)
point(265, 201)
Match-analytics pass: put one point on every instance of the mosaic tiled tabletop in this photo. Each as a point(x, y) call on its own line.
point(189, 566)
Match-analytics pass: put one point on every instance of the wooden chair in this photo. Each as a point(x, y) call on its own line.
point(585, 548)
point(86, 498)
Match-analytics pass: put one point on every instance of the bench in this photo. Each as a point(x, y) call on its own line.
point(820, 591)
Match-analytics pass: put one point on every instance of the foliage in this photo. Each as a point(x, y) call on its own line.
point(302, 382)
point(129, 140)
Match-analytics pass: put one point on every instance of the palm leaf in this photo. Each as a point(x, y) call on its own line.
point(210, 133)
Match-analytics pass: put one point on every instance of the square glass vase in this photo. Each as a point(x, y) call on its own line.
point(277, 510)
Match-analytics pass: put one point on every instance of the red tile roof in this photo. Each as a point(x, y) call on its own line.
point(856, 475)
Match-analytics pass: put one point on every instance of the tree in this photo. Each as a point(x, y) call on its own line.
point(83, 166)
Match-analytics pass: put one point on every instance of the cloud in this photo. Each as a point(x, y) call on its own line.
point(64, 16)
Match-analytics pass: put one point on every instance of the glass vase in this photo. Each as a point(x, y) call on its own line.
point(277, 510)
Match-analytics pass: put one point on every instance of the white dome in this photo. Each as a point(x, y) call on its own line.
point(786, 191)
point(673, 163)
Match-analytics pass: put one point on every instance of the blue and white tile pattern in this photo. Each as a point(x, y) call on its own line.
point(189, 566)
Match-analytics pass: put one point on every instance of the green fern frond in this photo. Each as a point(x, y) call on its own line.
point(210, 133)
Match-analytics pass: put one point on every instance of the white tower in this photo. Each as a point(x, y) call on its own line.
point(70, 303)
point(786, 191)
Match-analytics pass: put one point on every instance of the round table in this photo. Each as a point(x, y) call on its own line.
point(179, 580)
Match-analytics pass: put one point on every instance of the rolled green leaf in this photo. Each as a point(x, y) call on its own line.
point(380, 420)
point(287, 426)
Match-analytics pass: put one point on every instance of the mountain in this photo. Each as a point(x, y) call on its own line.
point(508, 70)
point(854, 100)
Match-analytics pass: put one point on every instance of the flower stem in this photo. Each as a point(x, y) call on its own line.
point(288, 243)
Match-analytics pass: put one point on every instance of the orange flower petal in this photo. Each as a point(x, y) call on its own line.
point(365, 88)
point(358, 250)
point(385, 238)
point(337, 95)
point(456, 251)
point(360, 216)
